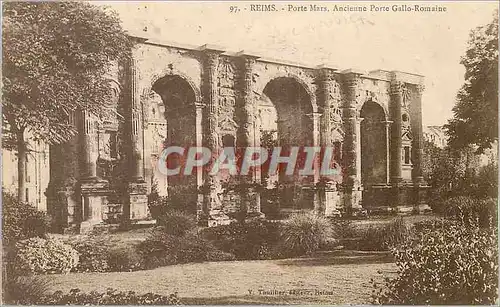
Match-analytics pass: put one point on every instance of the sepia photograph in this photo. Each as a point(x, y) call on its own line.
point(249, 153)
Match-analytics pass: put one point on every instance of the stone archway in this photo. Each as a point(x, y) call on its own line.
point(288, 123)
point(179, 99)
point(373, 144)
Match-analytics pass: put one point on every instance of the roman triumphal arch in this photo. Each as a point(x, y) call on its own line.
point(188, 96)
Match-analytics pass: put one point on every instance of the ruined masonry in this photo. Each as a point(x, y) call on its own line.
point(203, 96)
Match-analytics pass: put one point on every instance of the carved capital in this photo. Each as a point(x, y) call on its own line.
point(397, 87)
point(326, 75)
point(352, 82)
point(419, 89)
point(211, 59)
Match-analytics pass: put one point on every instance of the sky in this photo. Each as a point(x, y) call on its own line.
point(426, 43)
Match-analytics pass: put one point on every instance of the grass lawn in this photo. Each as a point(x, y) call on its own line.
point(335, 277)
point(338, 277)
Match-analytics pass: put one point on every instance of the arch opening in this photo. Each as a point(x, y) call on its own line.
point(178, 98)
point(373, 144)
point(284, 120)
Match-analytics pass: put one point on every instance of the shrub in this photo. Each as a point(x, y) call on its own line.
point(177, 223)
point(93, 253)
point(21, 220)
point(471, 210)
point(304, 233)
point(159, 249)
point(453, 265)
point(41, 256)
point(110, 297)
point(25, 290)
point(384, 237)
point(162, 249)
point(245, 240)
point(218, 255)
point(124, 260)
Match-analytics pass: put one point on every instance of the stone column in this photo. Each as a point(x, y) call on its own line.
point(249, 136)
point(395, 111)
point(63, 205)
point(136, 136)
point(214, 214)
point(315, 118)
point(351, 149)
point(93, 190)
point(89, 146)
point(325, 85)
point(387, 150)
point(329, 198)
point(318, 204)
point(199, 143)
point(136, 203)
point(418, 140)
point(420, 186)
point(396, 137)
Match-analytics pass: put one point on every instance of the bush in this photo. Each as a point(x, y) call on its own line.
point(41, 256)
point(110, 297)
point(453, 265)
point(162, 249)
point(305, 233)
point(124, 260)
point(218, 255)
point(93, 254)
point(21, 220)
point(384, 237)
point(25, 290)
point(471, 210)
point(245, 240)
point(177, 223)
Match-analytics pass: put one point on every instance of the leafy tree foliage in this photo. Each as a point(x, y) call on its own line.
point(457, 172)
point(475, 119)
point(55, 59)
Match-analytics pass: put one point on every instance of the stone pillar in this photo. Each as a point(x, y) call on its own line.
point(136, 162)
point(328, 195)
point(315, 118)
point(136, 202)
point(63, 204)
point(318, 204)
point(324, 81)
point(396, 137)
point(93, 190)
point(395, 110)
point(418, 140)
point(387, 150)
point(351, 148)
point(214, 214)
point(90, 149)
point(420, 186)
point(248, 136)
point(199, 143)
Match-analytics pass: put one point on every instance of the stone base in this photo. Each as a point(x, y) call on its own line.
point(381, 210)
point(255, 216)
point(422, 209)
point(404, 210)
point(136, 203)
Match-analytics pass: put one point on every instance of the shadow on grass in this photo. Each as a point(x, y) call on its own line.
point(339, 258)
point(253, 300)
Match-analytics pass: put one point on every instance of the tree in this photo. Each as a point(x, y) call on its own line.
point(55, 59)
point(475, 120)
